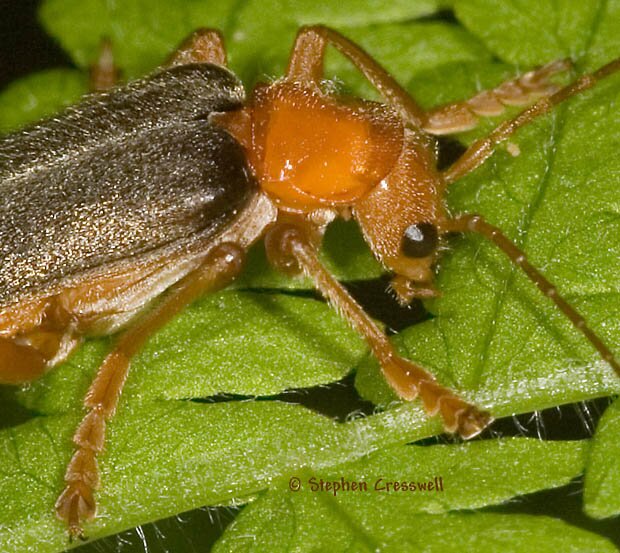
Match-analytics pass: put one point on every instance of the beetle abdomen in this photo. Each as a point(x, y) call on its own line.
point(116, 188)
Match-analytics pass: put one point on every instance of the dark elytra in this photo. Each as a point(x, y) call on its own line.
point(134, 173)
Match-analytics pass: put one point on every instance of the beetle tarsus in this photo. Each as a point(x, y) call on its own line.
point(74, 505)
point(410, 382)
point(407, 379)
point(466, 115)
point(462, 418)
point(480, 150)
point(77, 503)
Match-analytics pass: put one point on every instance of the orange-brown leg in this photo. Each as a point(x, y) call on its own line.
point(482, 149)
point(20, 363)
point(46, 338)
point(462, 116)
point(104, 74)
point(77, 503)
point(288, 246)
point(202, 46)
point(306, 65)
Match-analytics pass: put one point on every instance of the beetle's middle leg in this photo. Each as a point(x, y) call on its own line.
point(289, 247)
point(202, 46)
point(34, 337)
point(104, 74)
point(20, 363)
point(76, 504)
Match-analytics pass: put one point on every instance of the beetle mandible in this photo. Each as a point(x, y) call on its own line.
point(164, 184)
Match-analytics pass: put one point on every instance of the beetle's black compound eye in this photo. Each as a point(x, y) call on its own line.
point(419, 240)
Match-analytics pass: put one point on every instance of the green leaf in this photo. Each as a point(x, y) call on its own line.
point(525, 32)
point(243, 343)
point(451, 477)
point(39, 95)
point(197, 453)
point(303, 524)
point(602, 482)
point(278, 523)
point(357, 507)
point(145, 32)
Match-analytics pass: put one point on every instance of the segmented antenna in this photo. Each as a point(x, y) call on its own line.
point(475, 223)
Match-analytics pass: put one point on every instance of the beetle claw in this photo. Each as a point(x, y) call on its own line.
point(463, 418)
point(76, 503)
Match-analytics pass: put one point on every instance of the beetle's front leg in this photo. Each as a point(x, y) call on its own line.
point(306, 66)
point(76, 503)
point(288, 246)
point(463, 116)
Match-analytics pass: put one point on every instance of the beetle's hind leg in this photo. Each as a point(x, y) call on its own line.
point(289, 248)
point(76, 503)
point(20, 363)
point(463, 116)
point(34, 338)
point(202, 46)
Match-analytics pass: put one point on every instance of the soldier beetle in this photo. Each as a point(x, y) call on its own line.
point(164, 184)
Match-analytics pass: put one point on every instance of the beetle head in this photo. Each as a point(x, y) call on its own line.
point(400, 219)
